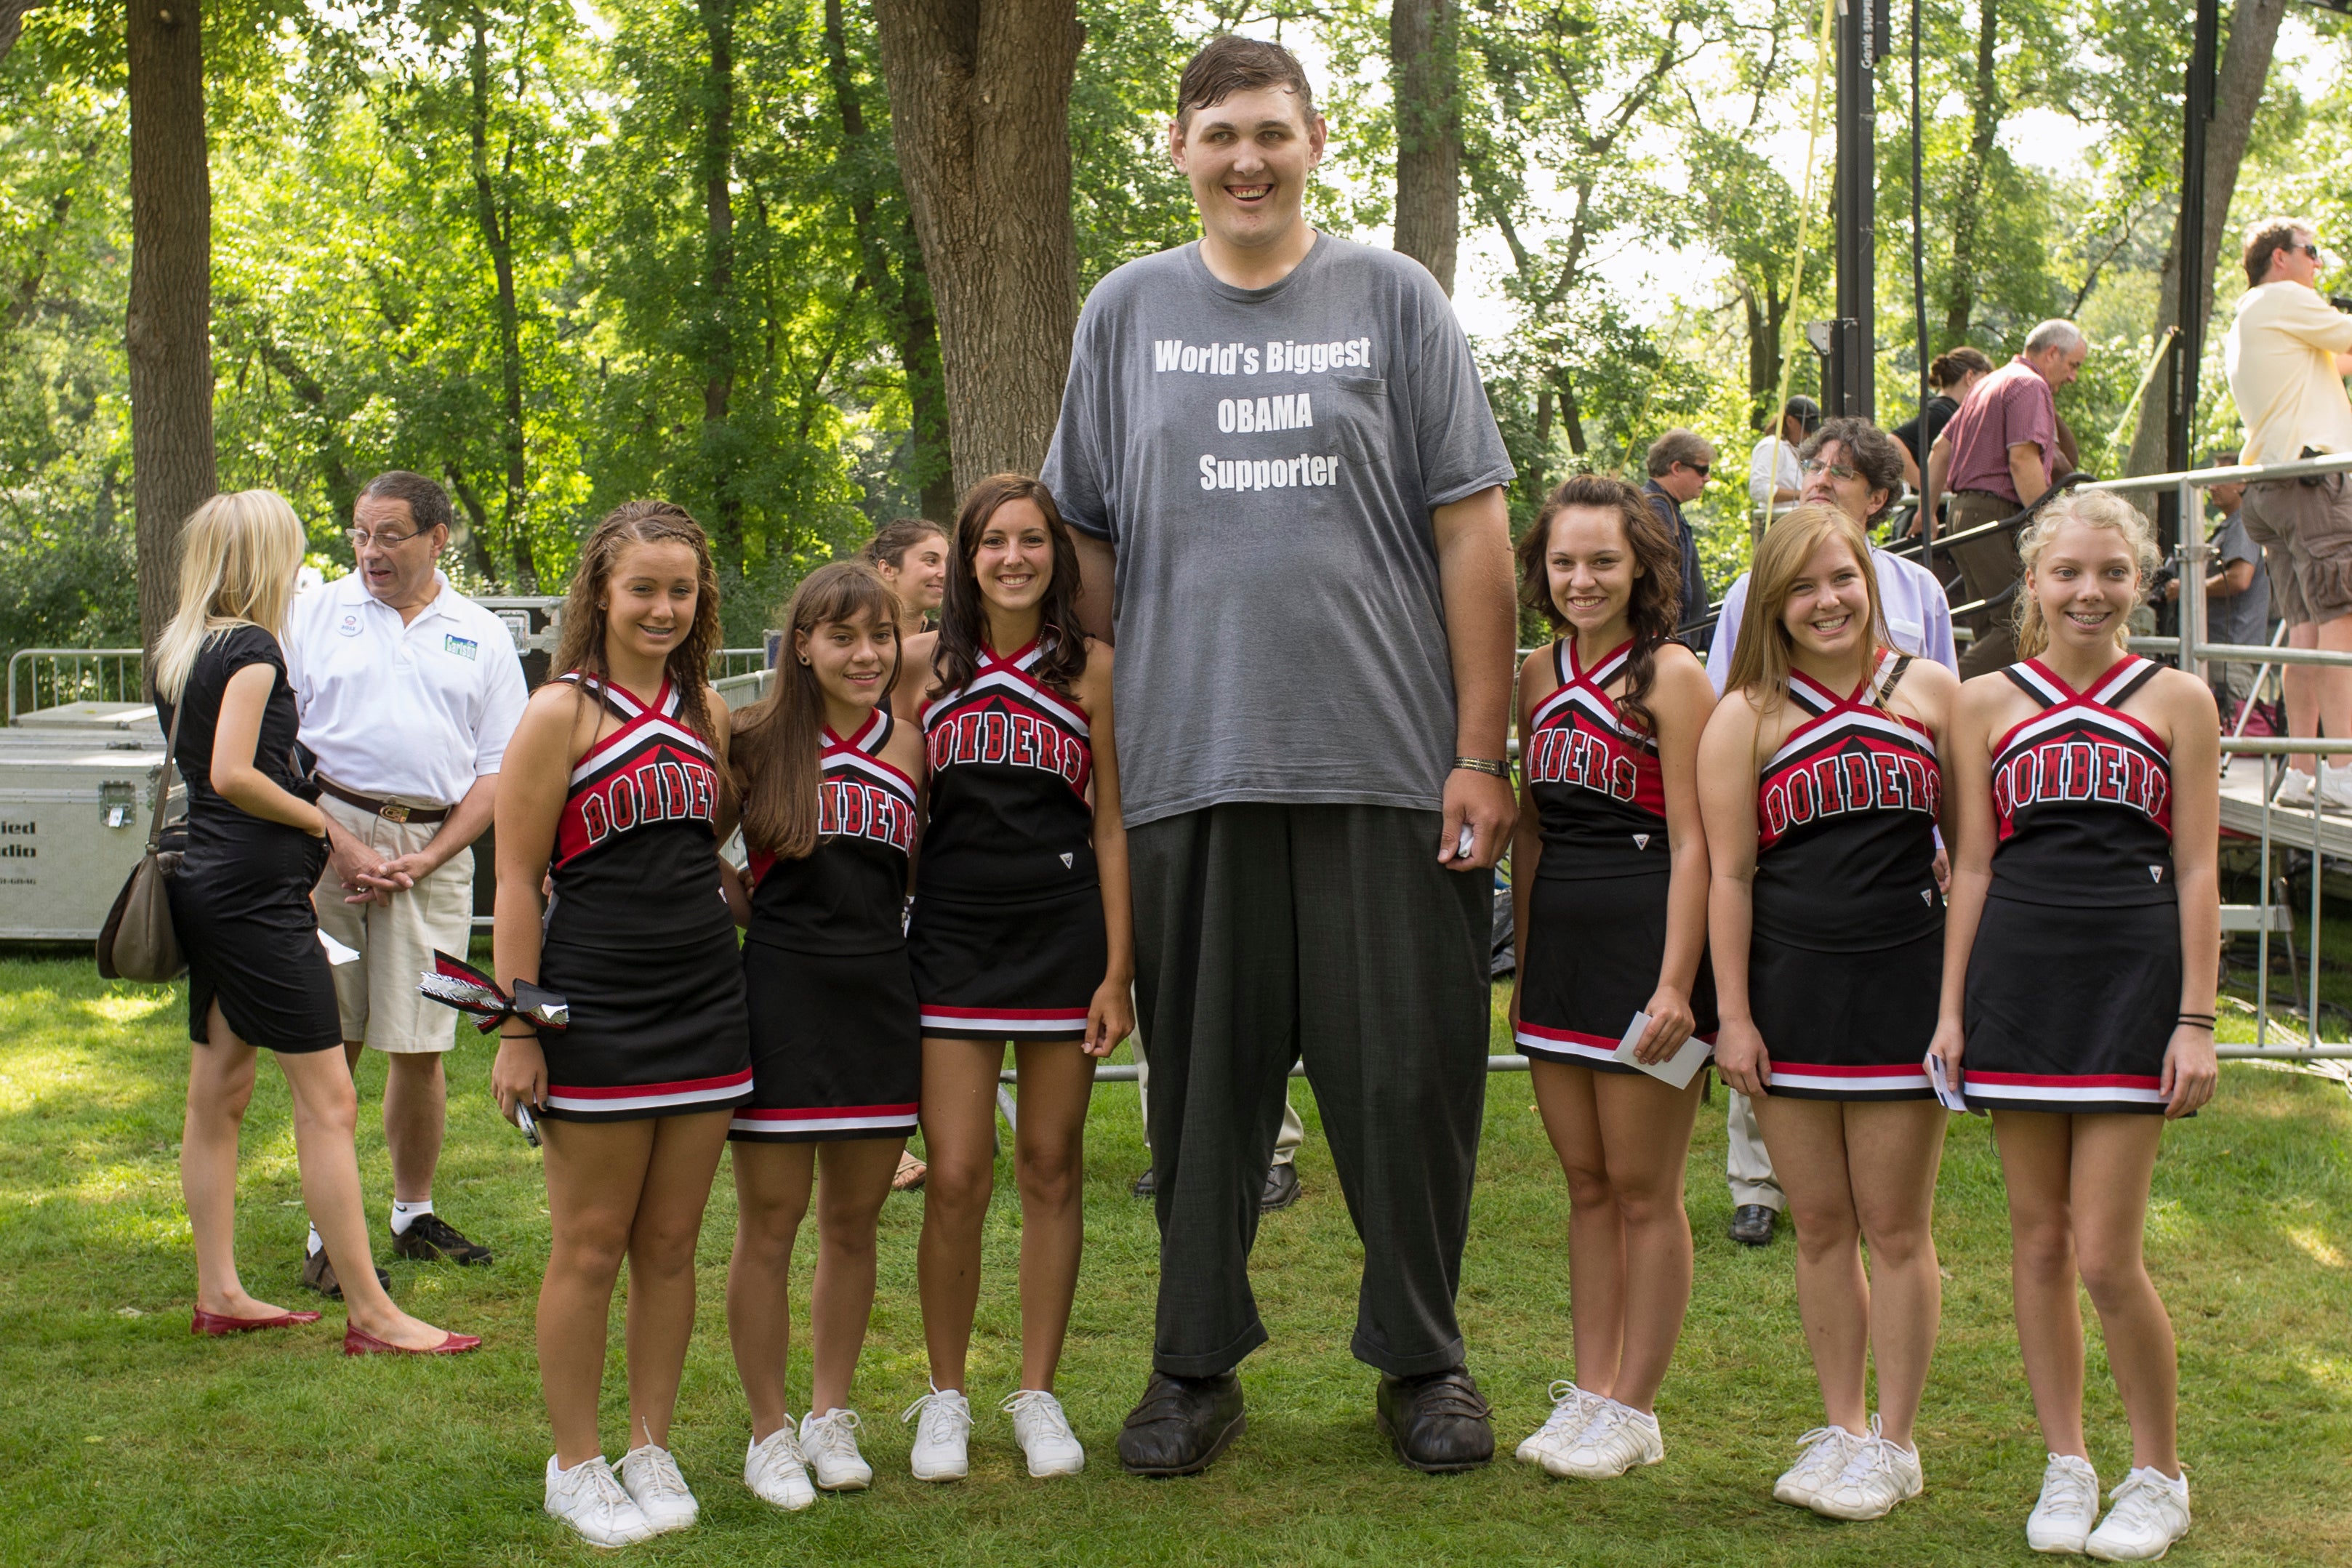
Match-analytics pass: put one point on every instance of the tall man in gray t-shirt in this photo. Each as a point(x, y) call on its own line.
point(1276, 443)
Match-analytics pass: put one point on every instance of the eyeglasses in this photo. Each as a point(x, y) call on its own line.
point(361, 539)
point(1834, 470)
point(1698, 468)
point(2311, 250)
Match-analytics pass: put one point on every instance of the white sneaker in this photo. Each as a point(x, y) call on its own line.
point(776, 1473)
point(1613, 1441)
point(588, 1497)
point(2294, 790)
point(1571, 1407)
point(1878, 1474)
point(2069, 1505)
point(1822, 1460)
point(2335, 788)
point(830, 1442)
point(940, 1436)
point(2150, 1513)
point(652, 1478)
point(1043, 1430)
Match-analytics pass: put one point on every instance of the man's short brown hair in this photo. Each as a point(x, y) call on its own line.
point(2266, 239)
point(1228, 64)
point(1869, 452)
point(1687, 448)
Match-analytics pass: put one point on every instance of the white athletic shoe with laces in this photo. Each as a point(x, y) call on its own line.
point(1571, 1407)
point(1043, 1430)
point(1614, 1440)
point(1878, 1474)
point(830, 1443)
point(2067, 1508)
point(1825, 1451)
point(589, 1497)
point(2150, 1512)
point(776, 1471)
point(943, 1429)
point(653, 1482)
point(2294, 790)
point(2335, 788)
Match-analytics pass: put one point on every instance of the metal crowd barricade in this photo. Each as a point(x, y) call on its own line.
point(53, 677)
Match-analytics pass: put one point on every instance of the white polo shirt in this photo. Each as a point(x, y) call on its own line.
point(419, 710)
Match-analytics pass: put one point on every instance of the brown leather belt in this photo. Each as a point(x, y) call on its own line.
point(390, 811)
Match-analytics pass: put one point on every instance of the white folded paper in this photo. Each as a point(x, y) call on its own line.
point(1677, 1070)
point(1949, 1098)
point(336, 952)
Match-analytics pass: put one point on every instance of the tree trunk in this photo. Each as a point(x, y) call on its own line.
point(169, 326)
point(1425, 77)
point(1984, 128)
point(905, 301)
point(1536, 480)
point(477, 524)
point(12, 23)
point(980, 109)
point(494, 209)
point(2237, 94)
point(718, 276)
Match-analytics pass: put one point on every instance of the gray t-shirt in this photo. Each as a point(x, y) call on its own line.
point(1265, 462)
point(2241, 620)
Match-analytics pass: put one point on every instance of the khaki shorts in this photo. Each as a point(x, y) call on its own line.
point(376, 992)
point(2306, 532)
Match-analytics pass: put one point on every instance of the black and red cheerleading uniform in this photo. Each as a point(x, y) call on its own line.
point(1847, 954)
point(638, 938)
point(835, 1046)
point(1597, 913)
point(2073, 983)
point(1007, 936)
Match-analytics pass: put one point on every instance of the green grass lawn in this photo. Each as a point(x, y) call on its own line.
point(127, 1441)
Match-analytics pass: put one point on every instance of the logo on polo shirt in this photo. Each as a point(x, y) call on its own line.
point(463, 647)
point(349, 625)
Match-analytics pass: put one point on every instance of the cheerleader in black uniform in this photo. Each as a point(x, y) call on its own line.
point(1822, 784)
point(616, 779)
point(1020, 931)
point(830, 810)
point(2078, 987)
point(1609, 877)
point(241, 903)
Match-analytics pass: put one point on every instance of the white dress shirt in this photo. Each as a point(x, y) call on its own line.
point(1773, 466)
point(1918, 616)
point(420, 710)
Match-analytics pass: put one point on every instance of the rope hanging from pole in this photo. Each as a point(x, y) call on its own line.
point(1919, 283)
point(1804, 228)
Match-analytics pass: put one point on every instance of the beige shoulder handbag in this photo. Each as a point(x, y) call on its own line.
point(139, 943)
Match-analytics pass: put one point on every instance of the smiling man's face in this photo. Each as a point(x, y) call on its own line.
point(1247, 159)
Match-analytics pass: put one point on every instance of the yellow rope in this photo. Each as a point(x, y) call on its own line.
point(1804, 225)
point(2155, 362)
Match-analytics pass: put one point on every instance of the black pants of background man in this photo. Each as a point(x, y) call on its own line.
point(1269, 933)
point(1986, 566)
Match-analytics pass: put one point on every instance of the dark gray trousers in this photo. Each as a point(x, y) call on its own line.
point(1269, 933)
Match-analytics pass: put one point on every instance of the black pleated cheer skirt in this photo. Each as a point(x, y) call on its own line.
point(2071, 1009)
point(1008, 970)
point(1591, 963)
point(241, 907)
point(1847, 1026)
point(655, 1031)
point(836, 1051)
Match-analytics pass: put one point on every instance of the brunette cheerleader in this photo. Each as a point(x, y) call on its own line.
point(614, 778)
point(1020, 931)
point(1821, 783)
point(830, 810)
point(2078, 989)
point(1609, 878)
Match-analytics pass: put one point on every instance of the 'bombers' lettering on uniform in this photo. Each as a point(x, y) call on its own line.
point(2071, 1010)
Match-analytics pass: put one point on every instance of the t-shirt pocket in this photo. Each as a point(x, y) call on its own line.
point(1363, 418)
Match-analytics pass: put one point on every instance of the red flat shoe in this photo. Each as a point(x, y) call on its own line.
point(359, 1341)
point(215, 1324)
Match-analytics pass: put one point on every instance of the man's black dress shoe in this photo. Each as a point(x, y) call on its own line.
point(1182, 1424)
point(1437, 1421)
point(1751, 1224)
point(1281, 1188)
point(1144, 1184)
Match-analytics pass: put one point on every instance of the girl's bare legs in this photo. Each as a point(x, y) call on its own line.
point(679, 1172)
point(1645, 1132)
point(854, 1182)
point(1056, 1080)
point(1893, 1151)
point(1807, 1141)
point(958, 1119)
point(771, 1195)
point(1596, 1230)
point(220, 1087)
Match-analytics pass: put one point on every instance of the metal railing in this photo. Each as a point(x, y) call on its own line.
point(737, 661)
point(55, 676)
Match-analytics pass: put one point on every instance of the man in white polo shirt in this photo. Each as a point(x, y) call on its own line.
point(408, 691)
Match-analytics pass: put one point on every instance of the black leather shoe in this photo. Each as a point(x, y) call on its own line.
point(319, 1275)
point(430, 1238)
point(1281, 1188)
point(1182, 1424)
point(1437, 1421)
point(1144, 1185)
point(1751, 1224)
